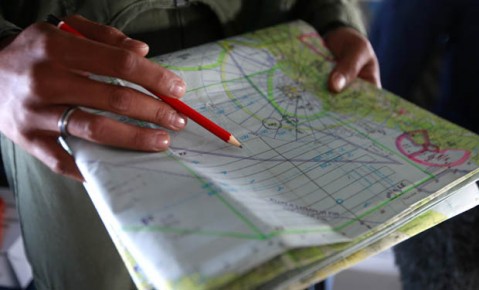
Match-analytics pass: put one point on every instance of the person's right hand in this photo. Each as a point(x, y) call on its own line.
point(44, 71)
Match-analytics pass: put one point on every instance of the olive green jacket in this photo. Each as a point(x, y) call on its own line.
point(145, 16)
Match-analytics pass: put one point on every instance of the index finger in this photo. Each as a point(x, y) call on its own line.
point(106, 34)
point(102, 59)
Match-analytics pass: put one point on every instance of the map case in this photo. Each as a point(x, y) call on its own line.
point(323, 180)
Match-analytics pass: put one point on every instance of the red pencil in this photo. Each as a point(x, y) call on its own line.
point(176, 104)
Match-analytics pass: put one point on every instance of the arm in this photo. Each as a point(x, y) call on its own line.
point(43, 71)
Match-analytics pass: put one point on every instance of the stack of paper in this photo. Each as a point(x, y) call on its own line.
point(320, 177)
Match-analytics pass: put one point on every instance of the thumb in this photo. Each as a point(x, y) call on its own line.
point(106, 34)
point(346, 70)
point(337, 81)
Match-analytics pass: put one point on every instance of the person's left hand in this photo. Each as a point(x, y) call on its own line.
point(354, 56)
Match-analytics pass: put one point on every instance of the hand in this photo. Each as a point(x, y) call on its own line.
point(354, 58)
point(44, 71)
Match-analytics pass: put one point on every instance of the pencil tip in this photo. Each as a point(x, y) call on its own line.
point(233, 141)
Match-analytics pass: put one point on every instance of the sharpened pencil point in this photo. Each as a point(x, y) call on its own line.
point(233, 141)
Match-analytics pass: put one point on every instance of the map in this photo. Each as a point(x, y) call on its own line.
point(317, 170)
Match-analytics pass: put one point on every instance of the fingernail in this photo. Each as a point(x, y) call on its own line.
point(177, 88)
point(180, 122)
point(339, 81)
point(162, 141)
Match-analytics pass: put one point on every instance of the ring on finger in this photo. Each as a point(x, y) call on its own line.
point(63, 121)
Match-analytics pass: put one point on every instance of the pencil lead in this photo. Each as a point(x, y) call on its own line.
point(233, 141)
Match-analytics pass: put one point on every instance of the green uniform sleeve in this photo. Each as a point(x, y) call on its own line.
point(328, 14)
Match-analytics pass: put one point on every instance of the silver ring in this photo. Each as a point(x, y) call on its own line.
point(63, 121)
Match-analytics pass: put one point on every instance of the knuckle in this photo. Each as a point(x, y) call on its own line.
point(39, 40)
point(109, 31)
point(366, 46)
point(126, 62)
point(162, 114)
point(94, 129)
point(40, 28)
point(162, 77)
point(119, 99)
point(35, 28)
point(138, 138)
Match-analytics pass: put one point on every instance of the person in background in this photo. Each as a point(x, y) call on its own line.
point(44, 71)
point(428, 53)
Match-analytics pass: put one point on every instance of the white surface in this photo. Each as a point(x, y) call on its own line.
point(375, 273)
